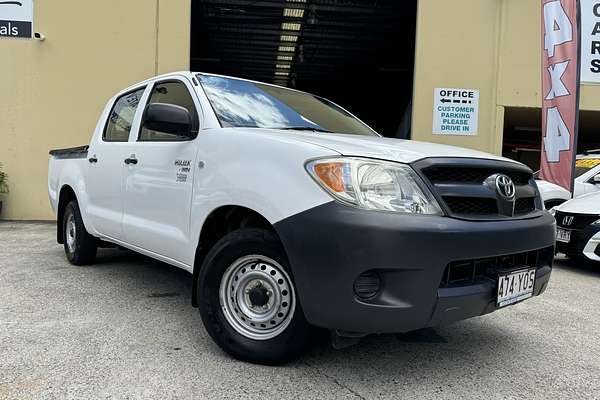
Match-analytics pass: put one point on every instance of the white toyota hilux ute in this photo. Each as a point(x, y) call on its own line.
point(291, 214)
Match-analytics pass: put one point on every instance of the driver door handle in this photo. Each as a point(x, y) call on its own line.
point(131, 160)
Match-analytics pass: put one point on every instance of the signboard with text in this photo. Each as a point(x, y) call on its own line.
point(560, 90)
point(16, 18)
point(455, 111)
point(590, 41)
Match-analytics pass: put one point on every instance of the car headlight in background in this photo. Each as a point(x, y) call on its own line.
point(596, 222)
point(374, 185)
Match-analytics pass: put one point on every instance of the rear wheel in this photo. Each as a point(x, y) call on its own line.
point(80, 246)
point(248, 301)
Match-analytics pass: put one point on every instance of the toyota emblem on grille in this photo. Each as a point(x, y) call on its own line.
point(505, 187)
point(568, 220)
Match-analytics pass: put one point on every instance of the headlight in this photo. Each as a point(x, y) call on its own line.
point(596, 222)
point(374, 185)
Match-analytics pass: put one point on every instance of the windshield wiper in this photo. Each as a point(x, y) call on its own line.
point(304, 128)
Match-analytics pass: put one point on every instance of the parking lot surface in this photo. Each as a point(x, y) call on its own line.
point(124, 328)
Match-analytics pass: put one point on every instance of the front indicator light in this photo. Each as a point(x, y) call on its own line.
point(374, 185)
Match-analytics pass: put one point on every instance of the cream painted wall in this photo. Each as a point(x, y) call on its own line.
point(521, 52)
point(490, 45)
point(457, 47)
point(52, 92)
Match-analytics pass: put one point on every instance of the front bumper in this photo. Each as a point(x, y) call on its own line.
point(331, 245)
point(584, 242)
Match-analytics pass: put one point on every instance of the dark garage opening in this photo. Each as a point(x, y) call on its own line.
point(360, 54)
point(523, 134)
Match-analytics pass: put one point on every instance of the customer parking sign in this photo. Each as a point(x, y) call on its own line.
point(455, 112)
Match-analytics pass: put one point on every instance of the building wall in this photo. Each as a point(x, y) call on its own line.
point(520, 53)
point(457, 47)
point(52, 92)
point(490, 45)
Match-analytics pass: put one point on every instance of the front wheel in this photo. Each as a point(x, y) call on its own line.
point(249, 304)
point(80, 246)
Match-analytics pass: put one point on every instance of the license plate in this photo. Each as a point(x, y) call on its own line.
point(515, 286)
point(563, 235)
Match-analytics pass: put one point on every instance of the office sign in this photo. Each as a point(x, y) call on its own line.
point(455, 111)
point(16, 18)
point(590, 41)
point(560, 90)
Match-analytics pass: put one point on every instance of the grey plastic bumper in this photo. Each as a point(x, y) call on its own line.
point(331, 245)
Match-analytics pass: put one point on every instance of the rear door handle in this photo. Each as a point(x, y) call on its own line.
point(131, 160)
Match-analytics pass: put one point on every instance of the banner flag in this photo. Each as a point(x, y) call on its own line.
point(560, 90)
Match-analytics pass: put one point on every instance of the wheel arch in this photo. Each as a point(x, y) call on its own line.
point(66, 195)
point(218, 223)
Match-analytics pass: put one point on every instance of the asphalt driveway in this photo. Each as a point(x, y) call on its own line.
point(124, 328)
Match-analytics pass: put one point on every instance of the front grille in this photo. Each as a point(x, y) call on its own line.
point(467, 189)
point(580, 221)
point(468, 272)
point(453, 174)
point(471, 205)
point(524, 205)
point(485, 206)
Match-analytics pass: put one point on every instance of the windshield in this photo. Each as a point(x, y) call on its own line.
point(239, 103)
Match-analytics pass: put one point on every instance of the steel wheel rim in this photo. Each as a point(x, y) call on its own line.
point(71, 233)
point(251, 277)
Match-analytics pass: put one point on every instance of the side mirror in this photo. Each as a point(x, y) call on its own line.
point(168, 118)
point(596, 179)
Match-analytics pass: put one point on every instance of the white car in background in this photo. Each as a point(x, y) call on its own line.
point(578, 227)
point(587, 180)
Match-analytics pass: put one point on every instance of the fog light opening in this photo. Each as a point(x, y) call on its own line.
point(367, 285)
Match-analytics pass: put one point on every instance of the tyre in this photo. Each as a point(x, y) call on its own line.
point(80, 246)
point(248, 301)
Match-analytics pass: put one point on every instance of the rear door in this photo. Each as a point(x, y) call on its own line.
point(158, 187)
point(105, 156)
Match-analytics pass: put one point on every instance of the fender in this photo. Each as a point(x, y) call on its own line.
point(267, 177)
point(74, 178)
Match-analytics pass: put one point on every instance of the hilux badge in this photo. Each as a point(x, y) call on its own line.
point(505, 187)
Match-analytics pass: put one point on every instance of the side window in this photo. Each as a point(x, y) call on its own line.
point(121, 117)
point(173, 92)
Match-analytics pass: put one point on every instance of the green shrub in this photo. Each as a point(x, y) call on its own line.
point(3, 181)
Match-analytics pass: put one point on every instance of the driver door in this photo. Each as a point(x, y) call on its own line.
point(158, 186)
